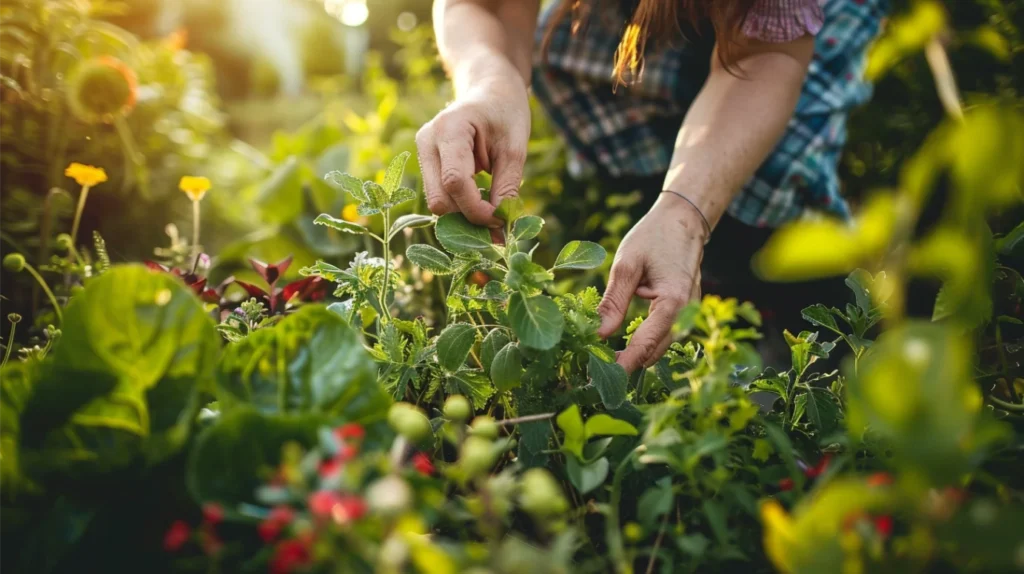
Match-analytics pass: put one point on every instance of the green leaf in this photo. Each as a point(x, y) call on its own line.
point(430, 258)
point(352, 185)
point(412, 220)
point(400, 196)
point(312, 361)
point(229, 457)
point(603, 352)
point(378, 199)
point(823, 410)
point(136, 350)
point(536, 320)
point(280, 196)
point(472, 383)
point(454, 345)
point(572, 427)
point(527, 227)
point(507, 368)
point(492, 343)
point(586, 477)
point(604, 425)
point(510, 209)
point(580, 255)
point(525, 274)
point(859, 281)
point(339, 224)
point(715, 512)
point(393, 174)
point(821, 316)
point(610, 381)
point(457, 235)
point(655, 502)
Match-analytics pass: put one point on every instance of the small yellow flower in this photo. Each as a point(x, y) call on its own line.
point(194, 187)
point(350, 213)
point(86, 175)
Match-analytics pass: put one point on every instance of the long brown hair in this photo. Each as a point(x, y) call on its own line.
point(659, 20)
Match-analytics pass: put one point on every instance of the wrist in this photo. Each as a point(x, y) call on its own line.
point(687, 212)
point(486, 71)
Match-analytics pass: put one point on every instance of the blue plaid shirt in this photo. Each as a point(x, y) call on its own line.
point(631, 131)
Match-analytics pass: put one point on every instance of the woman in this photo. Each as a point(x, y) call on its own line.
point(733, 113)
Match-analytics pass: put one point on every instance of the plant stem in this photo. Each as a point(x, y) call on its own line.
point(1001, 351)
point(387, 261)
point(195, 229)
point(10, 344)
point(78, 214)
point(46, 289)
point(1005, 405)
point(657, 544)
point(526, 419)
point(613, 536)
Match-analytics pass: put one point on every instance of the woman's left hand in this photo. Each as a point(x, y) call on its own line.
point(659, 260)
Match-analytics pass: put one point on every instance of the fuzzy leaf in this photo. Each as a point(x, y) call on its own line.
point(525, 274)
point(400, 196)
point(393, 174)
point(350, 184)
point(339, 224)
point(610, 381)
point(457, 235)
point(430, 258)
point(507, 368)
point(527, 227)
point(454, 344)
point(412, 220)
point(473, 384)
point(580, 255)
point(536, 320)
point(492, 343)
point(510, 209)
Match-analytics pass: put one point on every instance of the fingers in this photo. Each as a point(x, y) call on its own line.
point(430, 166)
point(455, 148)
point(654, 336)
point(508, 172)
point(622, 283)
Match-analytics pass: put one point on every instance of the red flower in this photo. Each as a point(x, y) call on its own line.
point(350, 431)
point(347, 452)
point(213, 513)
point(288, 555)
point(268, 530)
point(330, 467)
point(177, 535)
point(349, 508)
point(883, 524)
point(879, 479)
point(322, 502)
point(816, 470)
point(422, 464)
point(786, 484)
point(282, 515)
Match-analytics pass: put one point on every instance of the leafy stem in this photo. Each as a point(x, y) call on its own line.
point(613, 534)
point(10, 343)
point(386, 214)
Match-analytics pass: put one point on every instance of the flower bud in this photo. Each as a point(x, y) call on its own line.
point(457, 408)
point(14, 318)
point(64, 242)
point(14, 262)
point(410, 422)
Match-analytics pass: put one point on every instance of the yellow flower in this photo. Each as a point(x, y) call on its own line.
point(86, 175)
point(350, 213)
point(194, 187)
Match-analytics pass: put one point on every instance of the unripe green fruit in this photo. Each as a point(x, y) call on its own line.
point(410, 422)
point(14, 262)
point(64, 242)
point(476, 456)
point(540, 494)
point(485, 427)
point(457, 408)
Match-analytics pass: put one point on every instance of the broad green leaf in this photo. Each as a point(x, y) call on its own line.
point(821, 316)
point(507, 368)
point(393, 174)
point(573, 430)
point(378, 198)
point(510, 209)
point(610, 381)
point(350, 184)
point(136, 350)
point(430, 258)
point(472, 383)
point(339, 224)
point(229, 457)
point(586, 477)
point(412, 220)
point(400, 196)
point(527, 227)
point(457, 235)
point(655, 502)
point(525, 274)
point(536, 320)
point(823, 410)
point(17, 383)
point(604, 425)
point(492, 343)
point(715, 512)
point(580, 255)
point(454, 344)
point(312, 361)
point(603, 352)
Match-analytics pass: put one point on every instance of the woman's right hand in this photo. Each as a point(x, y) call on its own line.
point(486, 129)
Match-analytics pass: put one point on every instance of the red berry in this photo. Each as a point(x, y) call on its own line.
point(816, 470)
point(289, 555)
point(213, 513)
point(347, 452)
point(786, 484)
point(268, 530)
point(422, 464)
point(350, 431)
point(879, 479)
point(883, 524)
point(281, 515)
point(322, 502)
point(350, 508)
point(177, 535)
point(330, 467)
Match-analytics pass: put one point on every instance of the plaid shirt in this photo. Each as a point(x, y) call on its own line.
point(631, 131)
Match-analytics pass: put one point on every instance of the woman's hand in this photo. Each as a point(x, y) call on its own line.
point(659, 260)
point(486, 129)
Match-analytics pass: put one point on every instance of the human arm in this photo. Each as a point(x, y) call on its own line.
point(487, 49)
point(730, 129)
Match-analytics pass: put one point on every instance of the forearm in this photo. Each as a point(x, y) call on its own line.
point(733, 125)
point(479, 39)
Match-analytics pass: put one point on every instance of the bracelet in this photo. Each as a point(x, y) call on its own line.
point(704, 220)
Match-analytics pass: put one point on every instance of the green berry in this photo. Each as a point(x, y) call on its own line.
point(477, 456)
point(457, 408)
point(410, 422)
point(540, 494)
point(485, 427)
point(14, 262)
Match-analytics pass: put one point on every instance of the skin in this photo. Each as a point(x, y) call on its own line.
point(728, 132)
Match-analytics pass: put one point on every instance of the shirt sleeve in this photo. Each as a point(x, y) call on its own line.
point(779, 21)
